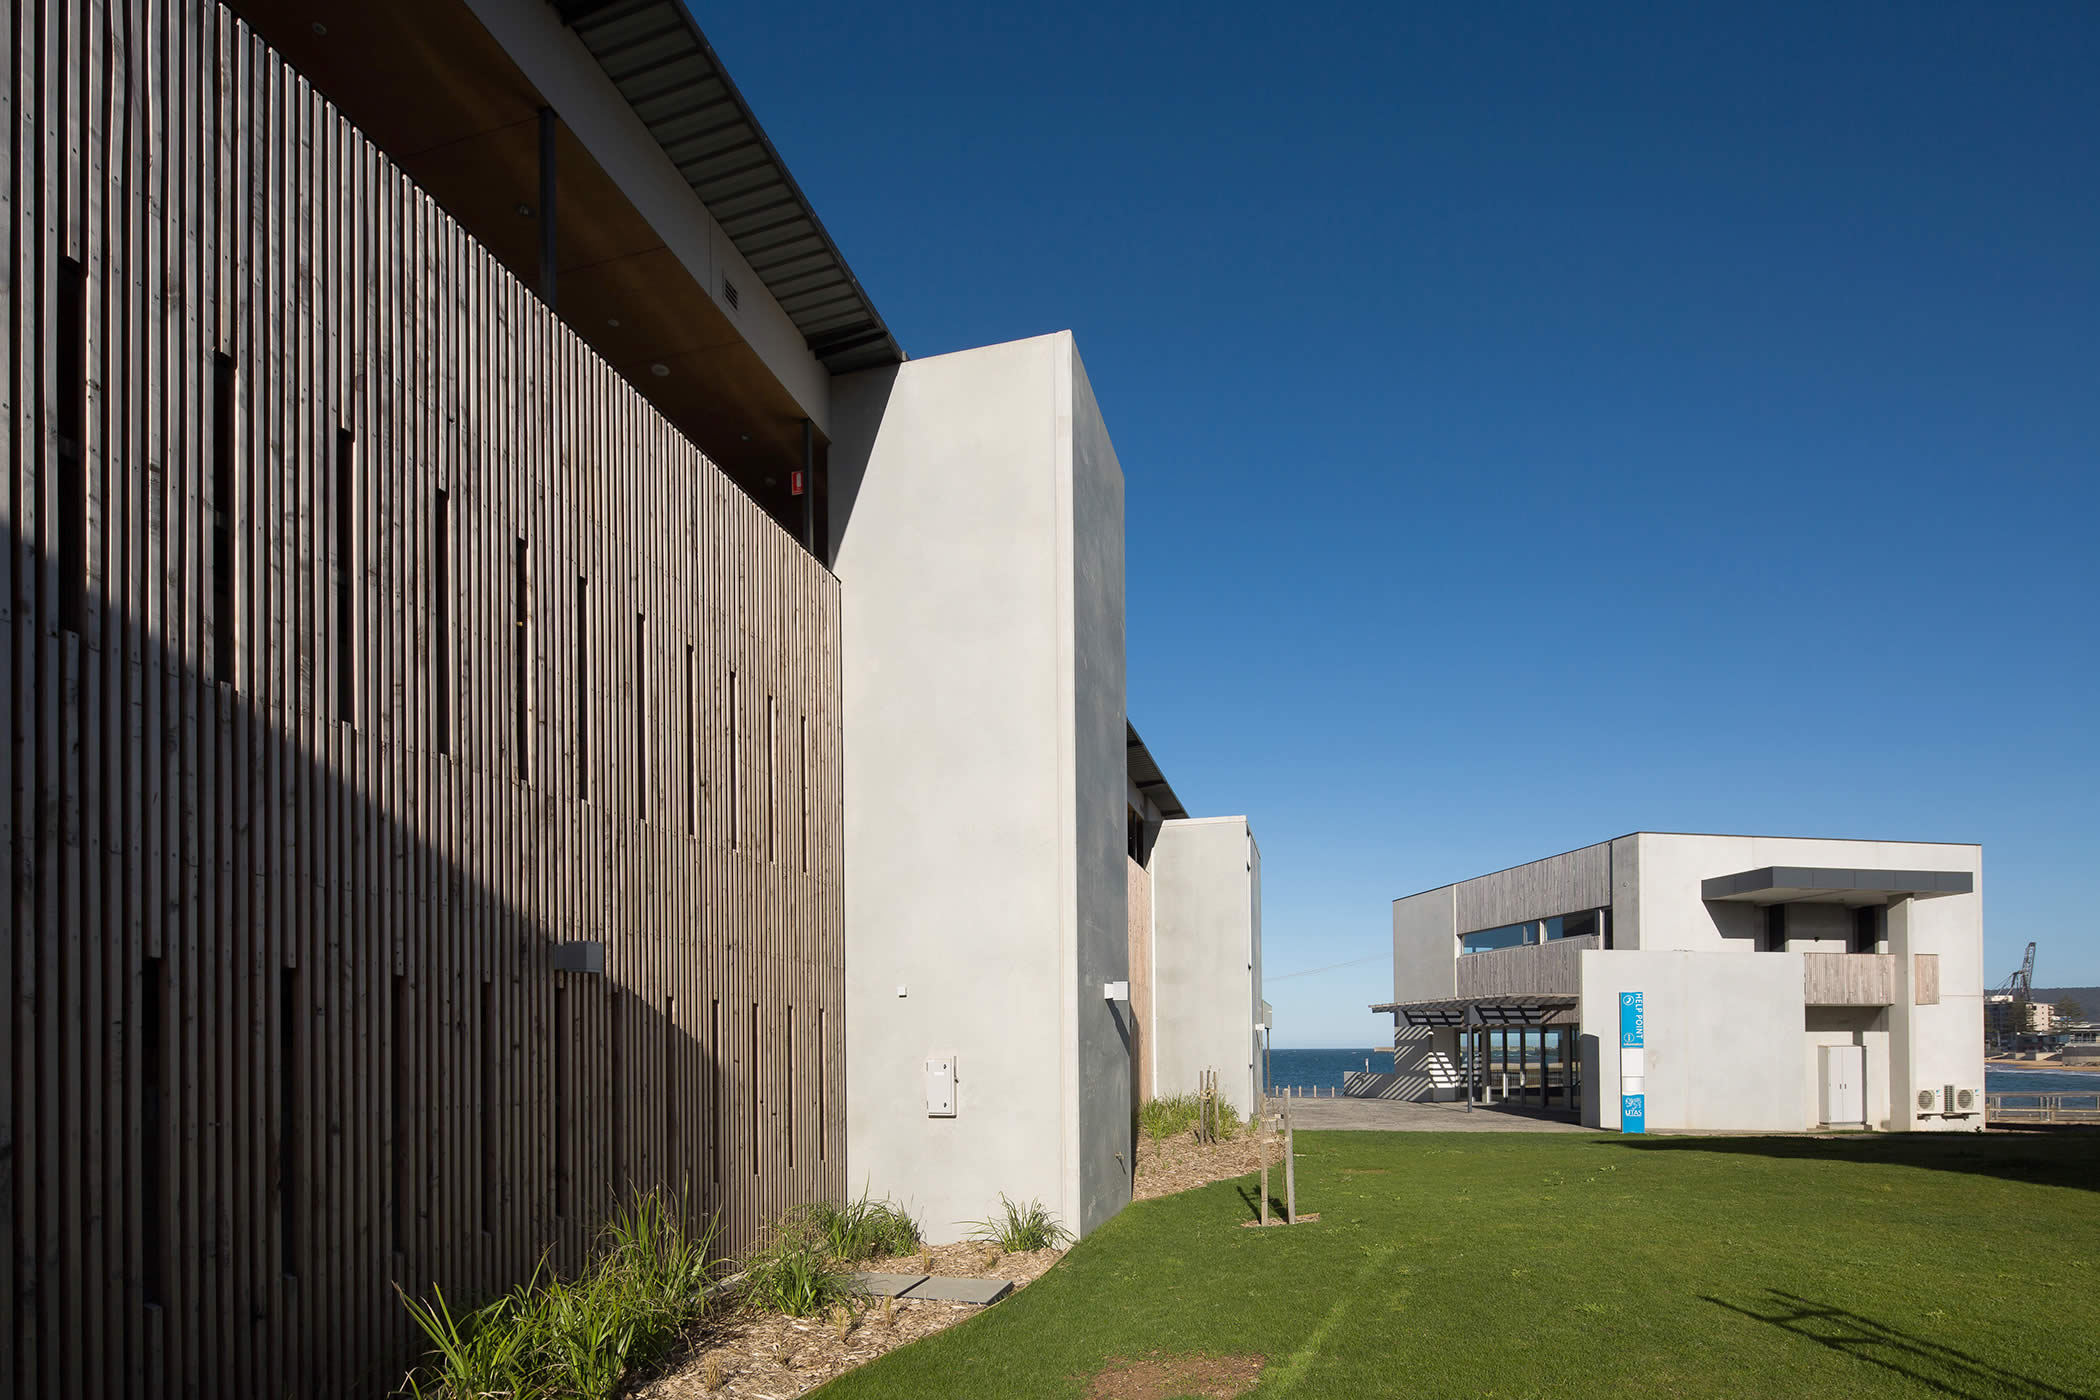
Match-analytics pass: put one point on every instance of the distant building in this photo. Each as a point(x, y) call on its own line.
point(1786, 984)
point(1195, 962)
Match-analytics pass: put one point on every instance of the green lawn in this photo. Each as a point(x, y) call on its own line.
point(1544, 1265)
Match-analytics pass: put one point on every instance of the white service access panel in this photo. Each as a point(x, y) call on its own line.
point(940, 1085)
point(1844, 1083)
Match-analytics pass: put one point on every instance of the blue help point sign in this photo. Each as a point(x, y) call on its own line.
point(1633, 1062)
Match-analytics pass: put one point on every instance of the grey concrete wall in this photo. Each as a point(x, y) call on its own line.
point(1425, 957)
point(1625, 892)
point(1205, 922)
point(981, 673)
point(1098, 1087)
point(1425, 945)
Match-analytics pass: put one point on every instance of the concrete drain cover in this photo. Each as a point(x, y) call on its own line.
point(887, 1285)
point(960, 1290)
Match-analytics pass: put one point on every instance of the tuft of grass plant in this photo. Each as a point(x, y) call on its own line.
point(1016, 1229)
point(863, 1228)
point(1167, 1117)
point(795, 1274)
point(1176, 1114)
point(550, 1337)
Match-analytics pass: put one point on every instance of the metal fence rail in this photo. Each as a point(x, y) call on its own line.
point(2075, 1107)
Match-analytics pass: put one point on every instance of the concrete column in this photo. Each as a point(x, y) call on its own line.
point(1903, 1088)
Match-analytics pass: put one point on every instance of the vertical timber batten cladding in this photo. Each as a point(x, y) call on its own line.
point(284, 1027)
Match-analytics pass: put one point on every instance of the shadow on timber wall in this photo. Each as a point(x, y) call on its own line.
point(286, 1027)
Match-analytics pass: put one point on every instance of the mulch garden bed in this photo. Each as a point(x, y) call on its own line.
point(740, 1355)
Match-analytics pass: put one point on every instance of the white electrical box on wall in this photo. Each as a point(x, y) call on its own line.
point(940, 1086)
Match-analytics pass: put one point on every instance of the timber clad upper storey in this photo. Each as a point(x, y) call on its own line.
point(372, 643)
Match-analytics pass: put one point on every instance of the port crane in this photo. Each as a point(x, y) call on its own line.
point(2016, 991)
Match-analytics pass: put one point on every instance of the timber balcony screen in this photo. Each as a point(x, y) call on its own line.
point(1532, 969)
point(337, 567)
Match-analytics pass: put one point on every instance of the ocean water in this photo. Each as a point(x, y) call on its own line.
point(1322, 1071)
point(2000, 1079)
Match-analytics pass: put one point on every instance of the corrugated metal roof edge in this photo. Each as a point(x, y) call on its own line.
point(578, 16)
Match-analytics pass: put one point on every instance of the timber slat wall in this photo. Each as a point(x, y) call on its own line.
point(286, 881)
point(1528, 970)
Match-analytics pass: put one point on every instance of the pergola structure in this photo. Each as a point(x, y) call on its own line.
point(1479, 1020)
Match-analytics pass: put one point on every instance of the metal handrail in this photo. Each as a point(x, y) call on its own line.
point(2044, 1108)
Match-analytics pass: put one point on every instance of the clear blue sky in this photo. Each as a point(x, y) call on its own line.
point(1539, 422)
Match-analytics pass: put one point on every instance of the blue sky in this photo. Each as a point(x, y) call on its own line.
point(1539, 422)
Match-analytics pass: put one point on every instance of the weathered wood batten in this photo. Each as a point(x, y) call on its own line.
point(299, 716)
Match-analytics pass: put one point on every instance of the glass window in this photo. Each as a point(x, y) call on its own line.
point(1508, 936)
point(1576, 925)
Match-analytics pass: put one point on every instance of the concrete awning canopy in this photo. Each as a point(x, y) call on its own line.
point(1799, 884)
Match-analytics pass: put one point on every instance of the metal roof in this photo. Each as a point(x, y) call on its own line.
point(1487, 1011)
point(663, 65)
point(1148, 779)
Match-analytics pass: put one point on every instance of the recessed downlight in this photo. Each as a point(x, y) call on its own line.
point(320, 29)
point(613, 321)
point(660, 370)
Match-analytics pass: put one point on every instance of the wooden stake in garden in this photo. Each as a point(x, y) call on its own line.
point(1261, 1142)
point(1290, 1165)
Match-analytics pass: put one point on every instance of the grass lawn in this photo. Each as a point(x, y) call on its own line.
point(1547, 1265)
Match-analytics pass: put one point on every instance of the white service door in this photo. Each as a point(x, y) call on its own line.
point(1844, 1098)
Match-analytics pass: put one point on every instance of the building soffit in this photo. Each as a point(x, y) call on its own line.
point(654, 53)
point(1146, 777)
point(1794, 884)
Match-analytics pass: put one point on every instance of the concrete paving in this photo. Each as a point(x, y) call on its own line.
point(1387, 1116)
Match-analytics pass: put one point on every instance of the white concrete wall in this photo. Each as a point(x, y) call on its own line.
point(1725, 1039)
point(1206, 948)
point(982, 677)
point(1935, 1046)
point(555, 61)
point(1668, 912)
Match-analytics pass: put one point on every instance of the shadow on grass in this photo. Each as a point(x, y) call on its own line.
point(2035, 1158)
point(1931, 1364)
point(1251, 1197)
